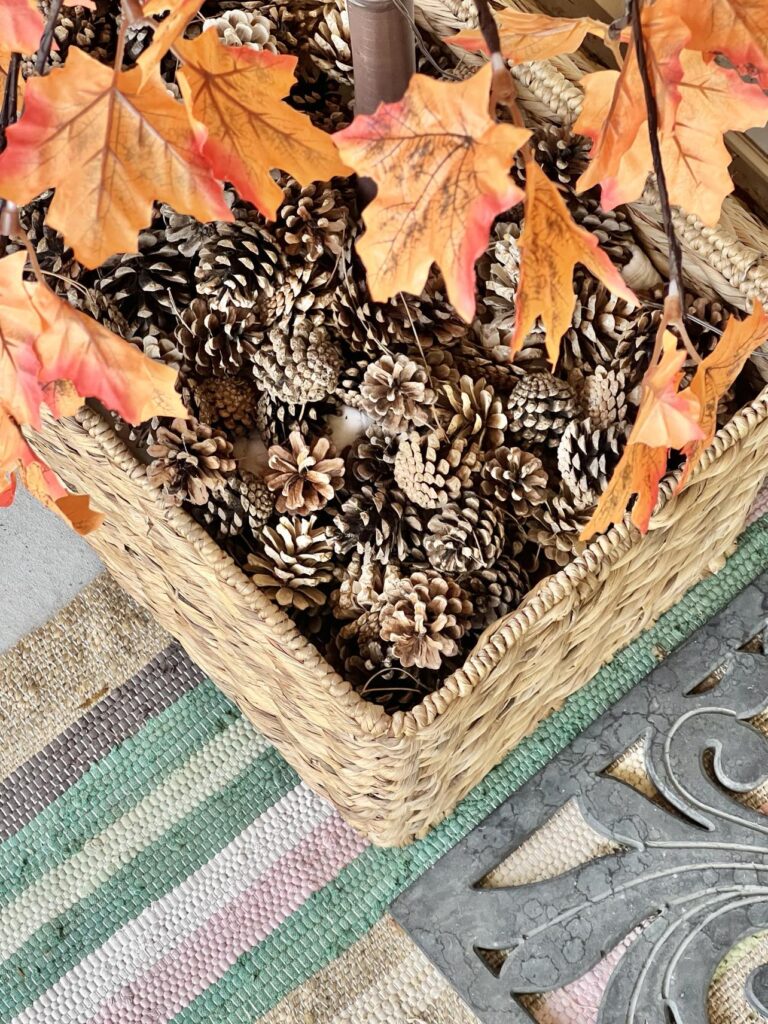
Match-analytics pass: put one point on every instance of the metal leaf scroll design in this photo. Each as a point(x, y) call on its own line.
point(689, 871)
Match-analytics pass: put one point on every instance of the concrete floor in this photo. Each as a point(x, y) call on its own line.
point(43, 565)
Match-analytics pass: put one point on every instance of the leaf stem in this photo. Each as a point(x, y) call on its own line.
point(503, 91)
point(8, 112)
point(46, 42)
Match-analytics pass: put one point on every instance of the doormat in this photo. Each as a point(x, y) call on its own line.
point(640, 852)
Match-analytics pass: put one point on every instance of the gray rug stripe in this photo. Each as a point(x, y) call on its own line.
point(120, 714)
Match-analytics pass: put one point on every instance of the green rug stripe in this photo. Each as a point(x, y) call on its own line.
point(330, 921)
point(160, 867)
point(112, 786)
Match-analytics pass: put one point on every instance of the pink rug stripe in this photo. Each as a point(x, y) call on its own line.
point(173, 982)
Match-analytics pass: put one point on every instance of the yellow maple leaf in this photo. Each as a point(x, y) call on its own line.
point(441, 165)
point(527, 36)
point(736, 28)
point(109, 150)
point(236, 96)
point(639, 472)
point(551, 245)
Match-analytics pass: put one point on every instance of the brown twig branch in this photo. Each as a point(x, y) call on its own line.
point(46, 41)
point(503, 91)
point(8, 112)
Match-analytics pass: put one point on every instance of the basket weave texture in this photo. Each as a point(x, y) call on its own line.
point(394, 777)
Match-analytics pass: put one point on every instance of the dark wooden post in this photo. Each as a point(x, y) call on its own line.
point(383, 50)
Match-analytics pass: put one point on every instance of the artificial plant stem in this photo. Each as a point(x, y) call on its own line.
point(488, 26)
point(675, 255)
point(46, 42)
point(8, 111)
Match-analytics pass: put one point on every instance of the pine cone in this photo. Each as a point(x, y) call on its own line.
point(432, 469)
point(216, 342)
point(464, 536)
point(586, 458)
point(295, 564)
point(244, 27)
point(424, 617)
point(90, 30)
point(560, 153)
point(313, 222)
point(602, 395)
point(514, 479)
point(379, 523)
point(555, 527)
point(358, 650)
point(229, 402)
point(326, 39)
point(371, 458)
point(396, 393)
point(326, 103)
point(611, 227)
point(190, 460)
point(238, 264)
point(473, 410)
point(539, 409)
point(53, 255)
point(359, 589)
point(600, 322)
point(299, 362)
point(275, 420)
point(495, 591)
point(306, 474)
point(243, 504)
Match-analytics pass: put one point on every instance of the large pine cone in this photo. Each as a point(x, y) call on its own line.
point(295, 563)
point(395, 393)
point(464, 536)
point(238, 263)
point(603, 395)
point(214, 342)
point(379, 523)
point(298, 363)
point(586, 458)
point(189, 460)
point(555, 527)
point(243, 504)
point(305, 474)
point(227, 402)
point(495, 591)
point(473, 410)
point(539, 409)
point(514, 479)
point(423, 617)
point(601, 321)
point(432, 469)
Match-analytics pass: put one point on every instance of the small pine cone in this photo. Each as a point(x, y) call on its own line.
point(244, 28)
point(313, 222)
point(276, 420)
point(295, 564)
point(560, 153)
point(371, 458)
point(514, 479)
point(238, 263)
point(359, 650)
point(327, 40)
point(306, 474)
point(53, 255)
point(611, 227)
point(472, 409)
point(229, 402)
point(602, 395)
point(379, 523)
point(325, 103)
point(499, 273)
point(539, 409)
point(495, 591)
point(162, 350)
point(216, 343)
point(586, 459)
point(464, 536)
point(396, 394)
point(556, 527)
point(189, 460)
point(432, 469)
point(360, 587)
point(243, 504)
point(423, 617)
point(298, 363)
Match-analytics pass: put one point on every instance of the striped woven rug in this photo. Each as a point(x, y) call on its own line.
point(160, 861)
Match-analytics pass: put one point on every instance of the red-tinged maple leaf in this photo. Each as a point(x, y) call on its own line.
point(236, 96)
point(667, 418)
point(109, 151)
point(21, 324)
point(527, 36)
point(639, 472)
point(166, 32)
point(21, 25)
point(716, 374)
point(441, 166)
point(550, 247)
point(615, 118)
point(738, 29)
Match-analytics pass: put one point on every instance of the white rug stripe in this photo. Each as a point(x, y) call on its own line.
point(209, 769)
point(162, 926)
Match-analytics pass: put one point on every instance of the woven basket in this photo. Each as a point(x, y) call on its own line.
point(393, 777)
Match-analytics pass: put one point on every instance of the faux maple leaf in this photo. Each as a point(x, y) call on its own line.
point(235, 94)
point(441, 166)
point(527, 36)
point(51, 354)
point(738, 29)
point(21, 25)
point(166, 32)
point(716, 374)
point(666, 419)
point(109, 150)
point(550, 247)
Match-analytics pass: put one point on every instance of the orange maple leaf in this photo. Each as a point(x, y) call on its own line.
point(21, 25)
point(715, 375)
point(639, 472)
point(667, 418)
point(614, 113)
point(166, 32)
point(441, 165)
point(551, 245)
point(109, 151)
point(736, 28)
point(236, 96)
point(527, 36)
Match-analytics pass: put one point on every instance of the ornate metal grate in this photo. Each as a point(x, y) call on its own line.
point(657, 849)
